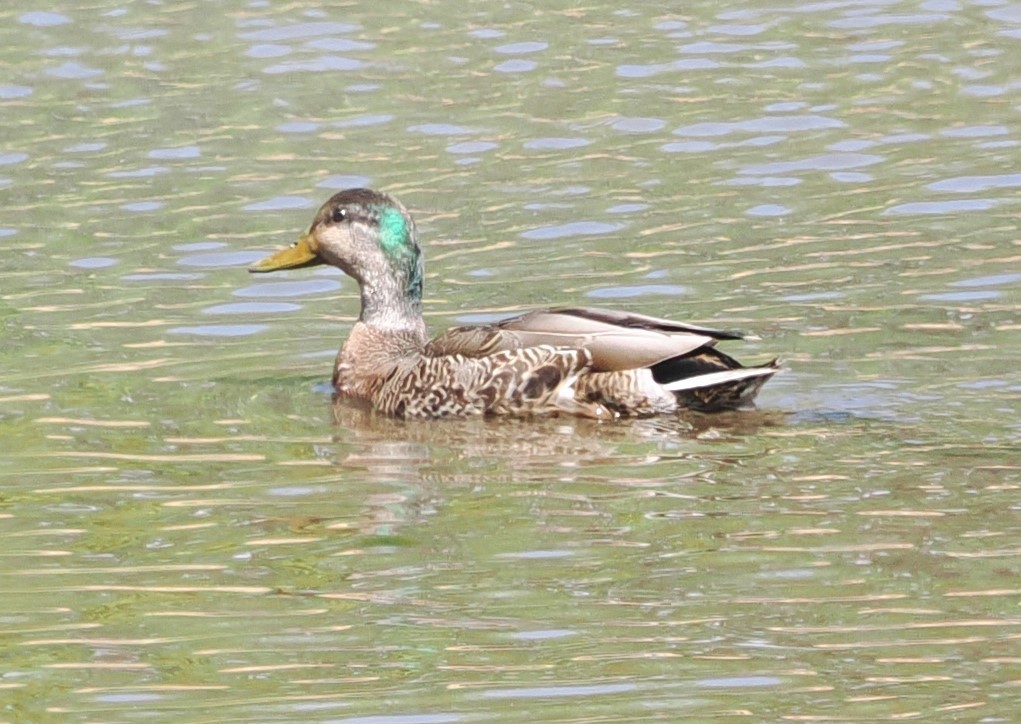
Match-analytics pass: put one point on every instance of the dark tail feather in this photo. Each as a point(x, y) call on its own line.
point(709, 380)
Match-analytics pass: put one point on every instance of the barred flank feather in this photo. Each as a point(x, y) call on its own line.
point(525, 381)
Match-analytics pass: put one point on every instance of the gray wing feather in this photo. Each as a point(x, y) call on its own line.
point(616, 340)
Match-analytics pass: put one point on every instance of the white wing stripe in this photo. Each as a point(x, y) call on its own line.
point(718, 378)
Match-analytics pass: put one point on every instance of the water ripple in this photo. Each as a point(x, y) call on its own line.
point(739, 30)
point(959, 296)
point(399, 718)
point(993, 280)
point(975, 131)
point(545, 692)
point(339, 45)
point(824, 162)
point(878, 21)
point(740, 682)
point(143, 206)
point(10, 92)
point(487, 33)
point(705, 46)
point(199, 246)
point(72, 70)
point(543, 635)
point(767, 124)
point(940, 207)
point(298, 127)
point(160, 277)
point(344, 182)
point(279, 203)
point(12, 158)
point(851, 177)
point(627, 208)
point(689, 147)
point(647, 71)
point(472, 147)
point(252, 308)
point(764, 181)
point(638, 125)
point(785, 61)
point(221, 259)
point(268, 50)
point(375, 119)
point(516, 66)
point(86, 147)
point(768, 210)
point(43, 18)
point(705, 146)
point(969, 184)
point(573, 228)
point(220, 330)
point(289, 289)
point(170, 153)
point(321, 64)
point(94, 262)
point(521, 48)
point(298, 31)
point(442, 129)
point(1006, 13)
point(147, 172)
point(559, 144)
point(642, 290)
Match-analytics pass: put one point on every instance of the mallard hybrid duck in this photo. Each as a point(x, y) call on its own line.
point(591, 362)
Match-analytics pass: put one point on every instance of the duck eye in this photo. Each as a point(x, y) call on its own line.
point(339, 214)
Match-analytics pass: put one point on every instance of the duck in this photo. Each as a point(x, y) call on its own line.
point(589, 362)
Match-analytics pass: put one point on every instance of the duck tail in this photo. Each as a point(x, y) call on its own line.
point(710, 380)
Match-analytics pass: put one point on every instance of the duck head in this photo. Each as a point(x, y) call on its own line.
point(371, 237)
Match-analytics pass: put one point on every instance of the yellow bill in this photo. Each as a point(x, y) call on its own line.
point(299, 254)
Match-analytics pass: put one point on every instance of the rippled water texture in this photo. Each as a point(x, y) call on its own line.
point(191, 532)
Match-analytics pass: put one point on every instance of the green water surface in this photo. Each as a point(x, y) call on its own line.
point(191, 532)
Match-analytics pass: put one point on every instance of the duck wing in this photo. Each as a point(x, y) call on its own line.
point(616, 340)
point(632, 320)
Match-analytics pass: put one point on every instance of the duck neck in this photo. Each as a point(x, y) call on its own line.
point(391, 305)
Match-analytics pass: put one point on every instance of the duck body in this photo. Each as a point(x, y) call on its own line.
point(413, 383)
point(577, 360)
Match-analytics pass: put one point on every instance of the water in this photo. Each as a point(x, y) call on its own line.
point(191, 531)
